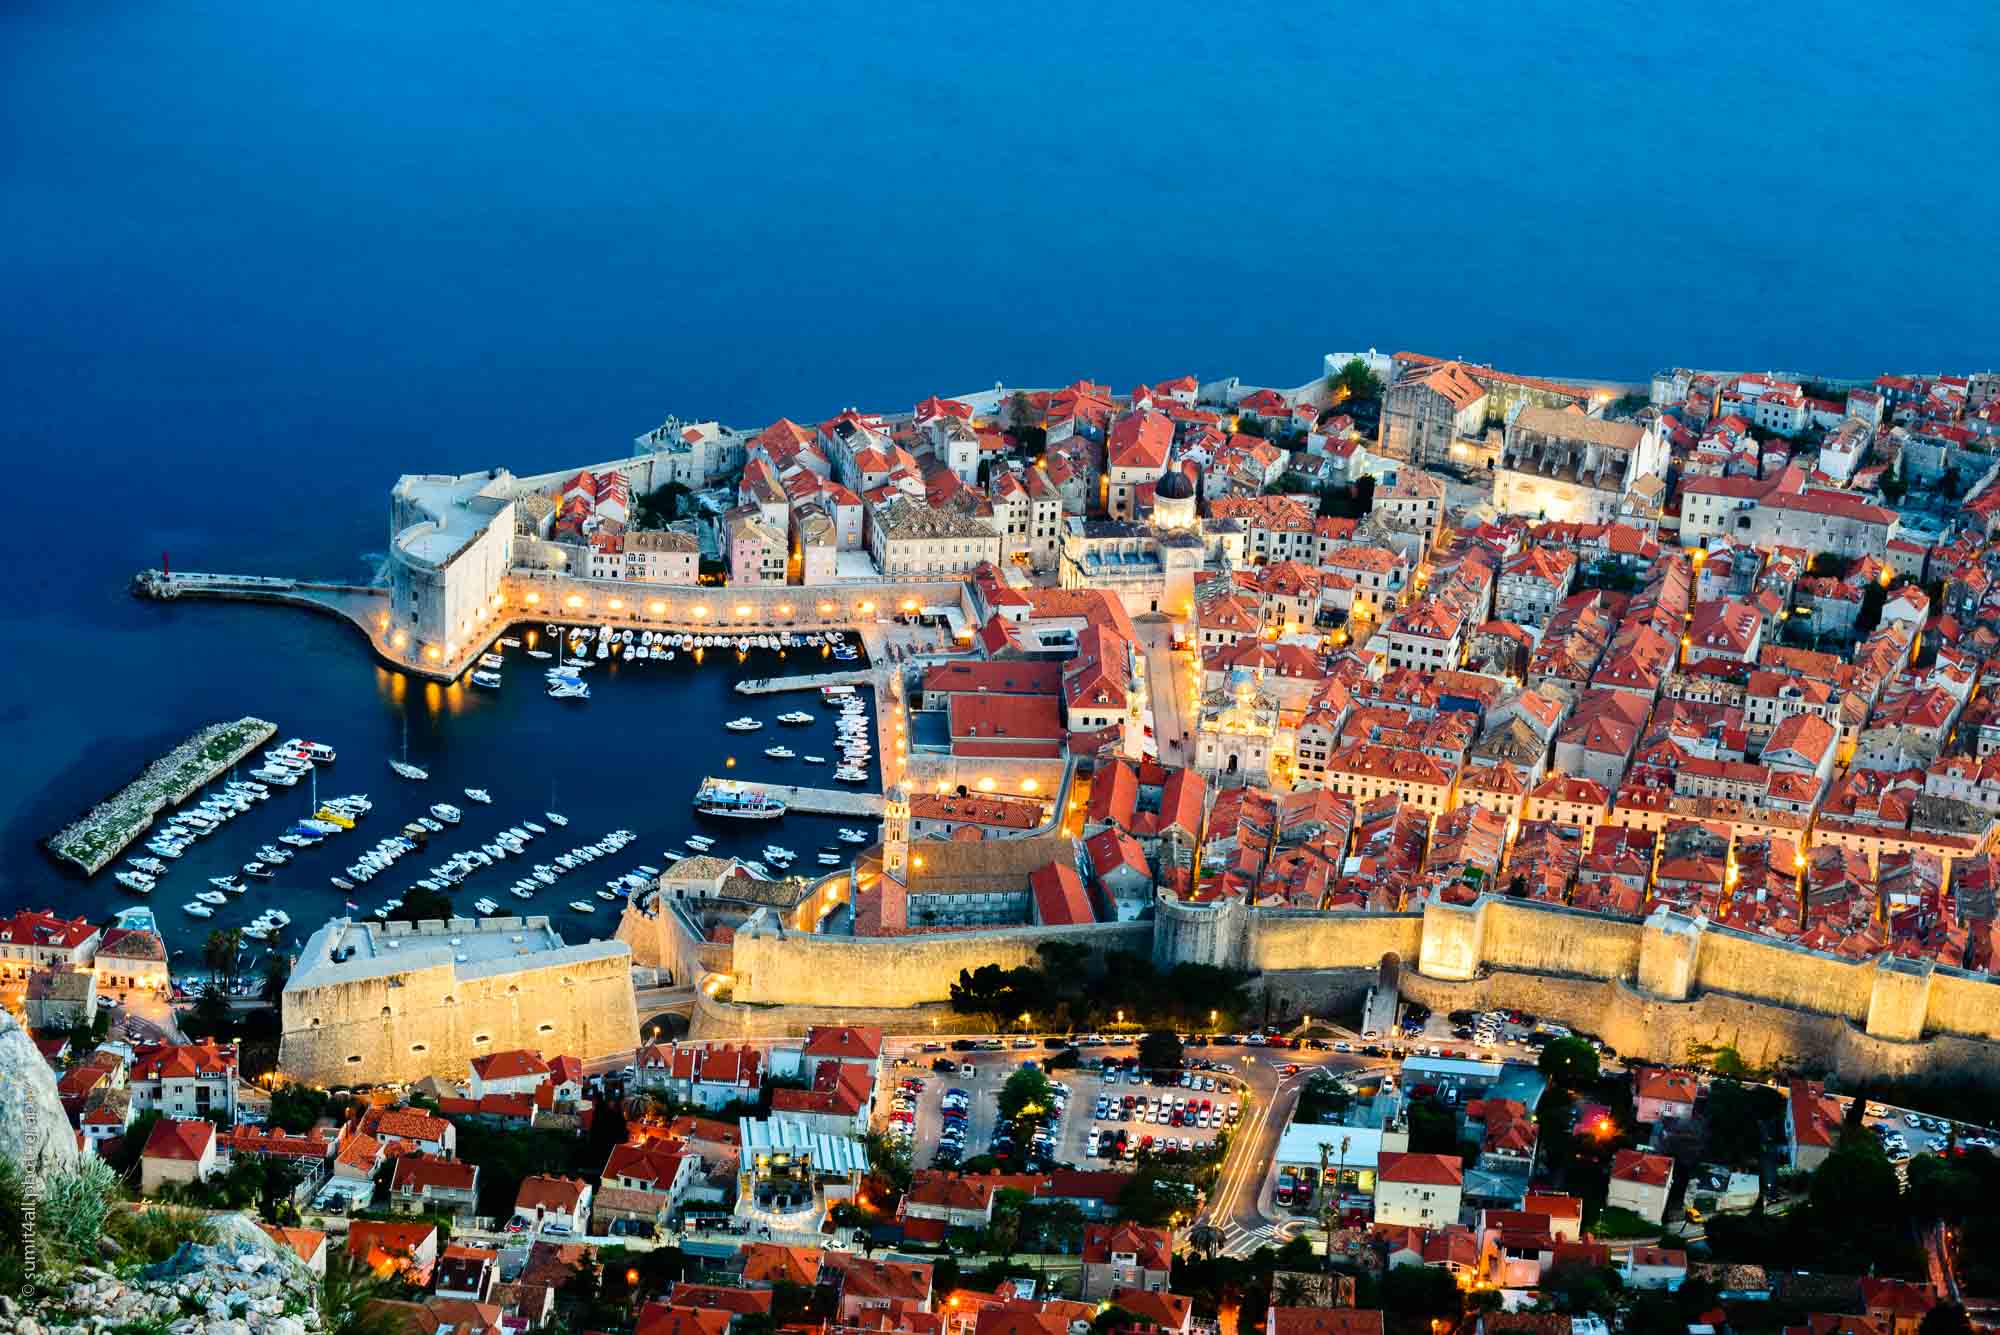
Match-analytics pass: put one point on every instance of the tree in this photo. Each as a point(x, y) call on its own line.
point(1354, 381)
point(1433, 1128)
point(219, 956)
point(350, 1298)
point(277, 972)
point(1945, 1319)
point(1160, 1050)
point(421, 905)
point(1113, 1317)
point(1151, 1199)
point(1025, 1093)
point(1420, 1290)
point(1569, 1062)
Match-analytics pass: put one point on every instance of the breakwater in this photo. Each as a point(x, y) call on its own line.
point(773, 685)
point(92, 842)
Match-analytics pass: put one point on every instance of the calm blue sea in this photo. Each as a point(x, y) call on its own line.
point(257, 259)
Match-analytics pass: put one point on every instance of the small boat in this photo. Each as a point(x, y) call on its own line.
point(796, 717)
point(151, 866)
point(607, 895)
point(829, 859)
point(533, 828)
point(136, 881)
point(447, 813)
point(229, 883)
point(583, 906)
point(701, 842)
point(520, 893)
point(744, 724)
point(510, 642)
point(406, 770)
point(814, 760)
point(492, 661)
point(556, 818)
point(540, 653)
point(479, 795)
point(486, 907)
point(198, 909)
point(212, 897)
point(781, 753)
point(760, 871)
point(848, 836)
point(490, 680)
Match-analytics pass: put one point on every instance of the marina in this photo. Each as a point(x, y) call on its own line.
point(551, 769)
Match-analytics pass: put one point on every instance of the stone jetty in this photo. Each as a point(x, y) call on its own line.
point(92, 842)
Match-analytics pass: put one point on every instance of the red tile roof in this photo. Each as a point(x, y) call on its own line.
point(185, 1141)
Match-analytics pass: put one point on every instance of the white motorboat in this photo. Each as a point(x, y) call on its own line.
point(447, 813)
point(492, 661)
point(212, 897)
point(318, 751)
point(404, 769)
point(583, 906)
point(814, 760)
point(151, 866)
point(198, 909)
point(479, 795)
point(510, 642)
point(796, 717)
point(136, 881)
point(760, 871)
point(229, 883)
point(848, 836)
point(781, 753)
point(490, 680)
point(540, 653)
point(486, 907)
point(520, 893)
point(829, 859)
point(744, 724)
point(700, 841)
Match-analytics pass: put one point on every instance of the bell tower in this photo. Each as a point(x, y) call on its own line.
point(896, 835)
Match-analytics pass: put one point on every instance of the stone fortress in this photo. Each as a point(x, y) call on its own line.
point(377, 1003)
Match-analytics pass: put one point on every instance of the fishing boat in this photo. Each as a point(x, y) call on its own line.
point(744, 724)
point(479, 795)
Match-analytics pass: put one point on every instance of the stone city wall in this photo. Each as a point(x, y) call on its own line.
point(798, 969)
point(1283, 940)
point(714, 1020)
point(427, 1021)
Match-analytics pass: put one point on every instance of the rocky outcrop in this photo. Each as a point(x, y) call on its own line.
point(34, 1131)
point(243, 1283)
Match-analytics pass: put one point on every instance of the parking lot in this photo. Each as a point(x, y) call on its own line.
point(948, 1116)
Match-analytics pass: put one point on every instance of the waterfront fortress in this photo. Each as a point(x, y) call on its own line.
point(377, 1003)
point(451, 541)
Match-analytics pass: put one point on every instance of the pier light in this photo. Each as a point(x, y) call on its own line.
point(383, 621)
point(784, 609)
point(402, 638)
point(574, 600)
point(656, 608)
point(743, 609)
point(909, 604)
point(986, 785)
point(431, 652)
point(825, 608)
point(701, 611)
point(1030, 786)
point(617, 604)
point(534, 598)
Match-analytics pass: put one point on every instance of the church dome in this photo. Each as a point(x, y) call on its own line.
point(1175, 486)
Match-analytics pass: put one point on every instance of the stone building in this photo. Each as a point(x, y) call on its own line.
point(1564, 466)
point(910, 538)
point(381, 1003)
point(451, 542)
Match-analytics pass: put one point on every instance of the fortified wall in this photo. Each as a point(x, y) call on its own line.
point(389, 1003)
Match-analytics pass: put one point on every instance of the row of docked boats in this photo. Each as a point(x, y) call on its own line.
point(141, 875)
point(292, 760)
point(851, 738)
point(545, 874)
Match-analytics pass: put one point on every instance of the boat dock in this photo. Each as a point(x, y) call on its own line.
point(818, 801)
point(773, 685)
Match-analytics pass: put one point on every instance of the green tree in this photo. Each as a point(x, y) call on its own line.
point(219, 955)
point(1113, 1317)
point(1026, 1093)
point(1570, 1063)
point(277, 971)
point(421, 905)
point(350, 1298)
point(1354, 381)
point(1160, 1050)
point(1433, 1128)
point(1945, 1319)
point(1152, 1199)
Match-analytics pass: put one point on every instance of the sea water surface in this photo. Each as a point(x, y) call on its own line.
point(256, 260)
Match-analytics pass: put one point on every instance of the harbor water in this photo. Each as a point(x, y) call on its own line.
point(629, 757)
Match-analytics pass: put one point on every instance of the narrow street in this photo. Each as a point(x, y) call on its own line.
point(1169, 683)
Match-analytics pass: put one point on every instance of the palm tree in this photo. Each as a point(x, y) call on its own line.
point(348, 1298)
point(277, 972)
point(1205, 1240)
point(219, 953)
point(1293, 1291)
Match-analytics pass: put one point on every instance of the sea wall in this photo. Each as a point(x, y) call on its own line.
point(774, 967)
point(110, 827)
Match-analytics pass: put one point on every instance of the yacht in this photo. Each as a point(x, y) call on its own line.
point(490, 680)
point(583, 906)
point(796, 717)
point(151, 866)
point(556, 818)
point(744, 724)
point(198, 909)
point(136, 881)
point(447, 813)
point(430, 824)
point(781, 753)
point(318, 751)
point(479, 795)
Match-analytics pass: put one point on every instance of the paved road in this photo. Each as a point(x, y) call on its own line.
point(1169, 681)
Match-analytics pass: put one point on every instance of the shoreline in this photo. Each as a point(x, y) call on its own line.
point(128, 813)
